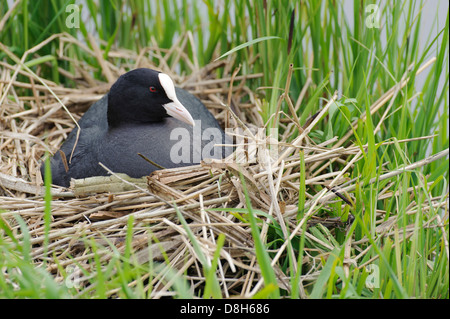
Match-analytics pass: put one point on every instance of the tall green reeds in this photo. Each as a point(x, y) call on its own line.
point(330, 49)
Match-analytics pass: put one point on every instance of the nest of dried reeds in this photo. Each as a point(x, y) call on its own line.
point(208, 196)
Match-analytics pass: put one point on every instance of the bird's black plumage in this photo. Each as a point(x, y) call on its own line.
point(131, 119)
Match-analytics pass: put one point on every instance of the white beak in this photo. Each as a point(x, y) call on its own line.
point(174, 108)
point(178, 111)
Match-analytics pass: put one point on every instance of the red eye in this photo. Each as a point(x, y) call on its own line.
point(153, 89)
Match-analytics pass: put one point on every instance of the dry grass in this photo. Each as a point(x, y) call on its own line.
point(33, 124)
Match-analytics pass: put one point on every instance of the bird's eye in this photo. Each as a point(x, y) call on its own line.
point(153, 89)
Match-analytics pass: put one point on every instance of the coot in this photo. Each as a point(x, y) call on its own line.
point(143, 113)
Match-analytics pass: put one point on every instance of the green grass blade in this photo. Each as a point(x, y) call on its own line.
point(246, 44)
point(262, 256)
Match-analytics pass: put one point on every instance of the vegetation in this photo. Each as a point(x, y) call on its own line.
point(356, 204)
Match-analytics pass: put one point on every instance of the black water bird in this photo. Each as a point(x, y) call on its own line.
point(142, 114)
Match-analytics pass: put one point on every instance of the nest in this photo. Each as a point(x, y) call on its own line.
point(101, 212)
